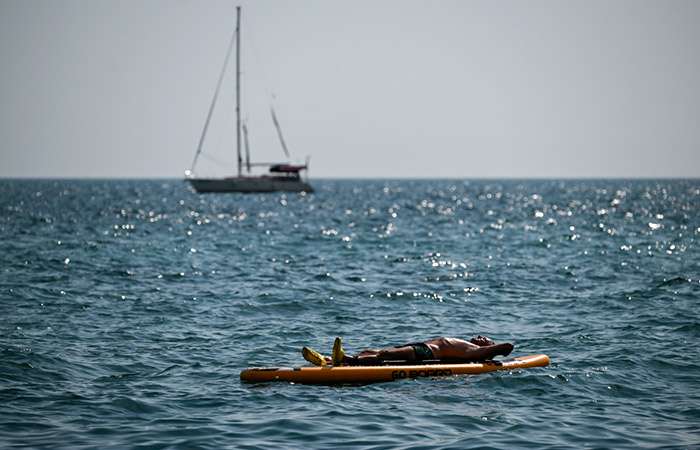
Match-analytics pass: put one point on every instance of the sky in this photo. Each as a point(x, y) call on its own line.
point(365, 89)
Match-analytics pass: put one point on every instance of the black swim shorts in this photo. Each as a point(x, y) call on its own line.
point(423, 352)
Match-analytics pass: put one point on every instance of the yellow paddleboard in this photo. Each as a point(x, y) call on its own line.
point(374, 374)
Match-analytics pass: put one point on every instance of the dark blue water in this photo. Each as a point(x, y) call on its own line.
point(128, 309)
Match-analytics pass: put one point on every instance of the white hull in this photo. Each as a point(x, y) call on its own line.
point(249, 184)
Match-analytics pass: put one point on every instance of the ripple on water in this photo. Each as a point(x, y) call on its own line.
point(129, 308)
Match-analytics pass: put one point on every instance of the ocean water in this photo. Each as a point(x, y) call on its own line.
point(128, 309)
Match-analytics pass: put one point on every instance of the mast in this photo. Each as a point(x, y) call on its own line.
point(238, 87)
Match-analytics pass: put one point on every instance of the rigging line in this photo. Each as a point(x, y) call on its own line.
point(269, 93)
point(218, 161)
point(258, 62)
point(213, 101)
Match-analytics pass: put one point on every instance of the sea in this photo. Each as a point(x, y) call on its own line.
point(128, 309)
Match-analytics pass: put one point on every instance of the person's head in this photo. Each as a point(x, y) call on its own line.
point(482, 341)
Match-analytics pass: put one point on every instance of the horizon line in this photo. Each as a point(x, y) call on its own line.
point(370, 178)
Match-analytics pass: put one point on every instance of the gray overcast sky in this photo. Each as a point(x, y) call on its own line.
point(366, 88)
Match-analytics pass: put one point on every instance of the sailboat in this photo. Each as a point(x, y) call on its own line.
point(280, 177)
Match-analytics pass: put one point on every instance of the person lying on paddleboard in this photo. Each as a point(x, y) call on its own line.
point(438, 350)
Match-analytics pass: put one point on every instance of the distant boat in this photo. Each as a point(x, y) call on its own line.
point(281, 177)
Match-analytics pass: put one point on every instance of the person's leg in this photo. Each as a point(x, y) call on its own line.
point(373, 356)
point(314, 357)
point(370, 357)
point(338, 354)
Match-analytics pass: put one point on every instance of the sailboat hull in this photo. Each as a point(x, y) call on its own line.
point(249, 184)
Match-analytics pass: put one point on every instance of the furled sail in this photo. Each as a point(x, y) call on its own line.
point(279, 131)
